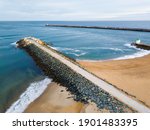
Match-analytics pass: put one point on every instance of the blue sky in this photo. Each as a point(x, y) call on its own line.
point(69, 10)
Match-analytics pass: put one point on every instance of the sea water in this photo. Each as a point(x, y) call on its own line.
point(19, 73)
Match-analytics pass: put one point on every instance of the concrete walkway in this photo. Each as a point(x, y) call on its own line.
point(97, 81)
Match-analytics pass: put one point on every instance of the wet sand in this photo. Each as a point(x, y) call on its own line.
point(131, 76)
point(56, 99)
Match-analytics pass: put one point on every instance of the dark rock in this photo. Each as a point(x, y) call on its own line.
point(141, 46)
point(99, 27)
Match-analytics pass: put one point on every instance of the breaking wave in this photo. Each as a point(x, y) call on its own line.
point(140, 53)
point(33, 92)
point(135, 55)
point(13, 44)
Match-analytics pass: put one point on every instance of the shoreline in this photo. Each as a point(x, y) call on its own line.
point(71, 105)
point(126, 57)
point(56, 99)
point(133, 72)
point(32, 92)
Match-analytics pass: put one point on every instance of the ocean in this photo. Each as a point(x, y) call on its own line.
point(21, 81)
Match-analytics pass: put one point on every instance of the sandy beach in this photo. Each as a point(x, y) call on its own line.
point(56, 99)
point(131, 76)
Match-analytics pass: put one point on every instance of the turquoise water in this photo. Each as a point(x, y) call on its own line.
point(18, 70)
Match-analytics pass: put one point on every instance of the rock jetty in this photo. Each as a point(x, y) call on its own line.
point(141, 46)
point(82, 89)
point(99, 27)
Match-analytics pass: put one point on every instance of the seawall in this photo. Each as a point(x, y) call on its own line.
point(85, 86)
point(99, 27)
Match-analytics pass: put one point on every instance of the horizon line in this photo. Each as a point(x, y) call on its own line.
point(73, 20)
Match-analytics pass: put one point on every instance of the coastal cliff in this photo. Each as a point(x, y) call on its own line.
point(82, 88)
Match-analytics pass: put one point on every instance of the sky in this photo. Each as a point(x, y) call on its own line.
point(74, 10)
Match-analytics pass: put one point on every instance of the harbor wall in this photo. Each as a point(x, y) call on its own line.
point(99, 27)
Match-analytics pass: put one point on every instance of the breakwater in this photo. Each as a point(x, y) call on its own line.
point(99, 27)
point(141, 46)
point(83, 85)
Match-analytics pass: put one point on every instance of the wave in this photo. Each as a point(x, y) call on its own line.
point(65, 49)
point(14, 44)
point(72, 51)
point(33, 92)
point(102, 48)
point(8, 46)
point(4, 47)
point(135, 55)
point(53, 29)
point(130, 46)
point(140, 53)
point(53, 47)
point(78, 55)
point(9, 35)
point(87, 48)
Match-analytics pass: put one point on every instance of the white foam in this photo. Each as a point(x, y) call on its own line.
point(114, 49)
point(140, 53)
point(132, 47)
point(53, 47)
point(64, 49)
point(103, 48)
point(72, 51)
point(8, 46)
point(78, 55)
point(14, 44)
point(129, 45)
point(33, 92)
point(81, 54)
point(135, 55)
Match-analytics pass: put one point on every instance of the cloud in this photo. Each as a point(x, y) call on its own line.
point(74, 9)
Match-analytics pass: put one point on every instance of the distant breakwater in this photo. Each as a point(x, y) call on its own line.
point(100, 27)
point(82, 89)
